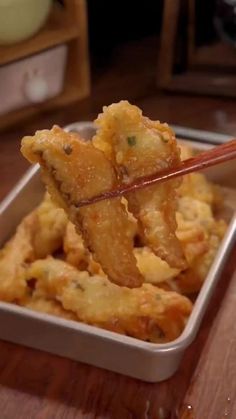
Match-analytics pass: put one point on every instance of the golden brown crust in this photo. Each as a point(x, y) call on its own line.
point(50, 224)
point(75, 252)
point(138, 147)
point(74, 170)
point(39, 234)
point(154, 269)
point(48, 306)
point(13, 258)
point(191, 280)
point(147, 312)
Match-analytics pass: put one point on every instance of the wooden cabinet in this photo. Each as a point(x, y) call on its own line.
point(66, 25)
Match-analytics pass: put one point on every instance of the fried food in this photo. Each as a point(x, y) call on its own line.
point(75, 252)
point(185, 151)
point(50, 223)
point(38, 235)
point(74, 170)
point(196, 185)
point(77, 255)
point(200, 236)
point(147, 313)
point(61, 259)
point(138, 147)
point(48, 306)
point(195, 220)
point(191, 280)
point(13, 258)
point(154, 269)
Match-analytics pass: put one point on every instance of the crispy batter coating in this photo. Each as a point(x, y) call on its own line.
point(77, 255)
point(196, 185)
point(74, 170)
point(13, 258)
point(176, 222)
point(200, 235)
point(146, 313)
point(154, 269)
point(194, 219)
point(48, 306)
point(137, 147)
point(186, 152)
point(51, 223)
point(75, 252)
point(38, 235)
point(191, 280)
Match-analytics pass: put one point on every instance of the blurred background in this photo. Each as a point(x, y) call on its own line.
point(61, 61)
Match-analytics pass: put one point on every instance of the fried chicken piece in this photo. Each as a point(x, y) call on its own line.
point(50, 223)
point(139, 147)
point(48, 306)
point(74, 170)
point(196, 185)
point(147, 313)
point(195, 241)
point(133, 230)
point(75, 252)
point(200, 236)
point(200, 246)
point(155, 270)
point(186, 152)
point(191, 280)
point(13, 258)
point(39, 234)
point(195, 220)
point(94, 268)
point(77, 255)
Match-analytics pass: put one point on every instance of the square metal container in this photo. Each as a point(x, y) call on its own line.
point(143, 360)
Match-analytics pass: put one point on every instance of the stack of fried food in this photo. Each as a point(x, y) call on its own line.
point(127, 264)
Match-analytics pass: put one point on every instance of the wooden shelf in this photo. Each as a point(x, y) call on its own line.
point(70, 94)
point(57, 30)
point(65, 25)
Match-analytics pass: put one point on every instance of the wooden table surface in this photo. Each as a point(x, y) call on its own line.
point(36, 385)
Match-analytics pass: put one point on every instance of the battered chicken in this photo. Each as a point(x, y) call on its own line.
point(48, 306)
point(200, 236)
point(13, 258)
point(176, 222)
point(155, 270)
point(196, 185)
point(75, 252)
point(146, 313)
point(191, 280)
point(50, 223)
point(74, 170)
point(195, 220)
point(38, 235)
point(138, 147)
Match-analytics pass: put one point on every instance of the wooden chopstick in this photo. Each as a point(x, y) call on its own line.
point(216, 155)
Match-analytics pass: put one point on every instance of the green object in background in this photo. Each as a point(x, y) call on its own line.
point(20, 19)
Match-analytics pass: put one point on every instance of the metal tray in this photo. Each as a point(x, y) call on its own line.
point(143, 360)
